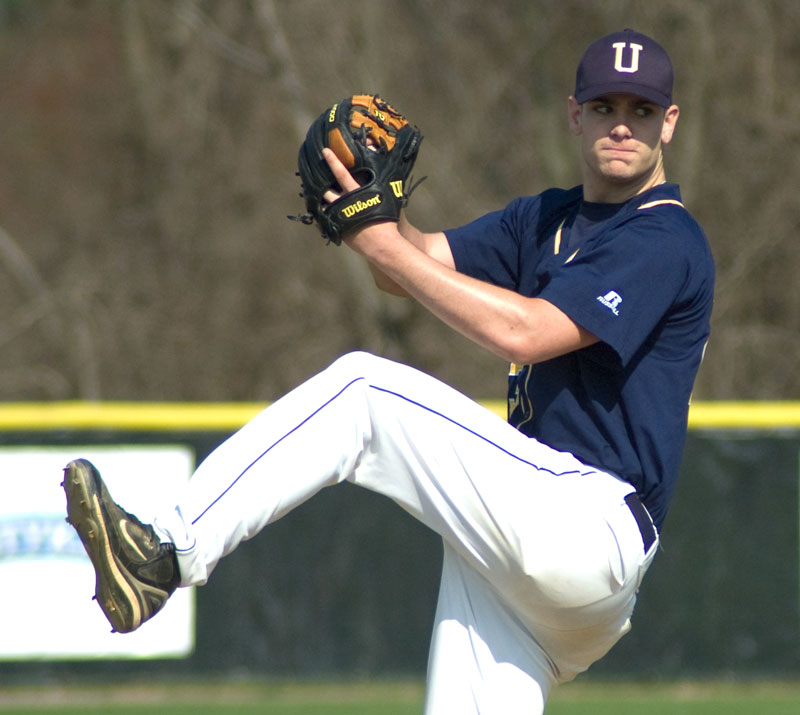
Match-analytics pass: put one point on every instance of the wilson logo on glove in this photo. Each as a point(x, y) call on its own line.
point(359, 206)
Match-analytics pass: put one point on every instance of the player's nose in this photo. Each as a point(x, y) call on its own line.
point(621, 131)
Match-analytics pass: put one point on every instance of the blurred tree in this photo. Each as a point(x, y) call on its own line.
point(148, 168)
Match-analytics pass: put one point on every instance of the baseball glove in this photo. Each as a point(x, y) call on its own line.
point(377, 145)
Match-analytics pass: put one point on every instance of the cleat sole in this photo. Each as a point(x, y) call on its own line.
point(113, 593)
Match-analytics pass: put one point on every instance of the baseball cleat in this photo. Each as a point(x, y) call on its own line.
point(135, 572)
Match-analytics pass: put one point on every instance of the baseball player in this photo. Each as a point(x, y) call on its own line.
point(600, 297)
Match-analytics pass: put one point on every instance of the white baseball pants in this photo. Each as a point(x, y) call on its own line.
point(542, 557)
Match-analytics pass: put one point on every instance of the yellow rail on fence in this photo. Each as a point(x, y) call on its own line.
point(224, 416)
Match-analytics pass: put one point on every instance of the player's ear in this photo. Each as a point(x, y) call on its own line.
point(574, 116)
point(670, 120)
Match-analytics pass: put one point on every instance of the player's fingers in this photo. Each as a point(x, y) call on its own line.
point(340, 172)
point(330, 196)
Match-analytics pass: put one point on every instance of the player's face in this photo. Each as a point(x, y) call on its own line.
point(621, 140)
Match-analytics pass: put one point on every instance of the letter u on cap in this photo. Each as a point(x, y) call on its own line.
point(628, 62)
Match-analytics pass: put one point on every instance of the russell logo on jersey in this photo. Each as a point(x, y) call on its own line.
point(611, 300)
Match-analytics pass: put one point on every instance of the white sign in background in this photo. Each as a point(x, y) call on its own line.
point(46, 579)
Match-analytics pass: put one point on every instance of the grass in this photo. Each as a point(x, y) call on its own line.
point(223, 698)
point(389, 698)
point(685, 698)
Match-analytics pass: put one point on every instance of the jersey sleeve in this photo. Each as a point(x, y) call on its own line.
point(489, 247)
point(622, 287)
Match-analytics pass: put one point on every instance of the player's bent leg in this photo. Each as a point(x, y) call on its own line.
point(454, 465)
point(483, 661)
point(135, 572)
point(501, 500)
point(382, 425)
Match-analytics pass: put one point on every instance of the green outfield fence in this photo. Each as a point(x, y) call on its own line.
point(347, 583)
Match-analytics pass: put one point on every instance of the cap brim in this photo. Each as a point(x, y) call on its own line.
point(647, 93)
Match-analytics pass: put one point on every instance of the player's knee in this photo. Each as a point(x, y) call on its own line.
point(357, 363)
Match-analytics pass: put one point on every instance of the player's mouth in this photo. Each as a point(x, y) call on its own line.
point(625, 156)
point(619, 150)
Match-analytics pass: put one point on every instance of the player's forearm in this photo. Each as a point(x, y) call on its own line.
point(424, 242)
point(517, 329)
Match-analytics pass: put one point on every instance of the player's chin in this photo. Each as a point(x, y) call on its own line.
point(619, 171)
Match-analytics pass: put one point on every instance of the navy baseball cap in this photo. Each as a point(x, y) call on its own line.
point(627, 62)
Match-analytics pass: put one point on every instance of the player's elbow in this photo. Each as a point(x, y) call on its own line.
point(514, 345)
point(544, 332)
point(384, 283)
point(537, 342)
point(387, 285)
point(532, 352)
point(522, 352)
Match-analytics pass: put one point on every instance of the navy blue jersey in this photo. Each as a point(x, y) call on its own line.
point(637, 275)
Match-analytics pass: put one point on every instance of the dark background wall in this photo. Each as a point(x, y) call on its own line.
point(347, 583)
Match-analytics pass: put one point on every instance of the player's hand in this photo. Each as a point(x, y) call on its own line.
point(345, 179)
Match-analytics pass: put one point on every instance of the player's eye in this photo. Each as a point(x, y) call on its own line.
point(643, 111)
